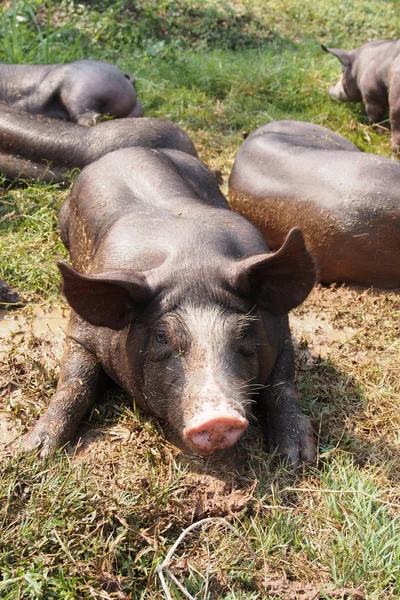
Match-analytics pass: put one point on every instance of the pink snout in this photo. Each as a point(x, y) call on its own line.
point(337, 92)
point(216, 428)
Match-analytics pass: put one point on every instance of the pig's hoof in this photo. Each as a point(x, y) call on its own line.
point(395, 152)
point(88, 119)
point(41, 442)
point(293, 441)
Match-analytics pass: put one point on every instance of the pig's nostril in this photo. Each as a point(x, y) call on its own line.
point(215, 433)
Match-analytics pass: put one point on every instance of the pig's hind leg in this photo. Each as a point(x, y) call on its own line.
point(81, 107)
point(289, 431)
point(80, 378)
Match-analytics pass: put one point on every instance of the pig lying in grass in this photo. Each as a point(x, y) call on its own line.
point(179, 301)
point(80, 91)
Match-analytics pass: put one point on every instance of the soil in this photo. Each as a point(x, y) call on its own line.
point(39, 322)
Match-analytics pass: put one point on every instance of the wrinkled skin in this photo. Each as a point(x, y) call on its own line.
point(180, 302)
point(80, 91)
point(371, 74)
point(347, 203)
point(33, 147)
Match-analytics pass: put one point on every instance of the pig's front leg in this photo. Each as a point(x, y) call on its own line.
point(76, 391)
point(375, 111)
point(289, 430)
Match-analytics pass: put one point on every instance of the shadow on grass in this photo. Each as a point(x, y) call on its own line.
point(336, 406)
point(155, 25)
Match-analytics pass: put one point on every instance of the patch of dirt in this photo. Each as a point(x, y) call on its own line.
point(10, 431)
point(317, 333)
point(218, 498)
point(37, 322)
point(293, 590)
point(212, 487)
point(31, 342)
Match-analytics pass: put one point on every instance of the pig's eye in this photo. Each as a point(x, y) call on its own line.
point(161, 337)
point(247, 351)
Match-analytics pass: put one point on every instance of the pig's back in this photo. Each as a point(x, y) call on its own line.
point(307, 168)
point(133, 209)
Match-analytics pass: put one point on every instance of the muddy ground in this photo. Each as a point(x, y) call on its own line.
point(323, 328)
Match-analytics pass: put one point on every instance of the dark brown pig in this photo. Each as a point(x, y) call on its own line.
point(7, 295)
point(347, 203)
point(80, 91)
point(180, 302)
point(33, 147)
point(371, 74)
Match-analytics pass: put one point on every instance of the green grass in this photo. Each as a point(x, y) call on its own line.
point(95, 523)
point(68, 525)
point(29, 226)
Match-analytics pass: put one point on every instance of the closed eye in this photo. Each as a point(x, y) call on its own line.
point(247, 350)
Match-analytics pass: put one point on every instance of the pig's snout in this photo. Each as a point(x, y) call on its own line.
point(215, 428)
point(337, 92)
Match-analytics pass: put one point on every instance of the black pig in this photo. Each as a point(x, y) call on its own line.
point(179, 301)
point(33, 147)
point(80, 91)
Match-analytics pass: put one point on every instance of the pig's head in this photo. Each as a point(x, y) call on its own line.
point(199, 343)
point(346, 89)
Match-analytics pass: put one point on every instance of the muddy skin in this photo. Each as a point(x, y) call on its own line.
point(180, 302)
point(82, 91)
point(371, 74)
point(33, 147)
point(347, 203)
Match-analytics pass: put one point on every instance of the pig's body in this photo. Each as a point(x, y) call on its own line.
point(35, 147)
point(81, 91)
point(371, 73)
point(347, 203)
point(179, 301)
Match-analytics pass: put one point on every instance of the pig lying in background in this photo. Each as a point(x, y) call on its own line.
point(180, 302)
point(80, 91)
point(33, 147)
point(371, 73)
point(346, 202)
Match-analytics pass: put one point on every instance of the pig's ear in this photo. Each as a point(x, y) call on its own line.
point(281, 280)
point(342, 55)
point(105, 300)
